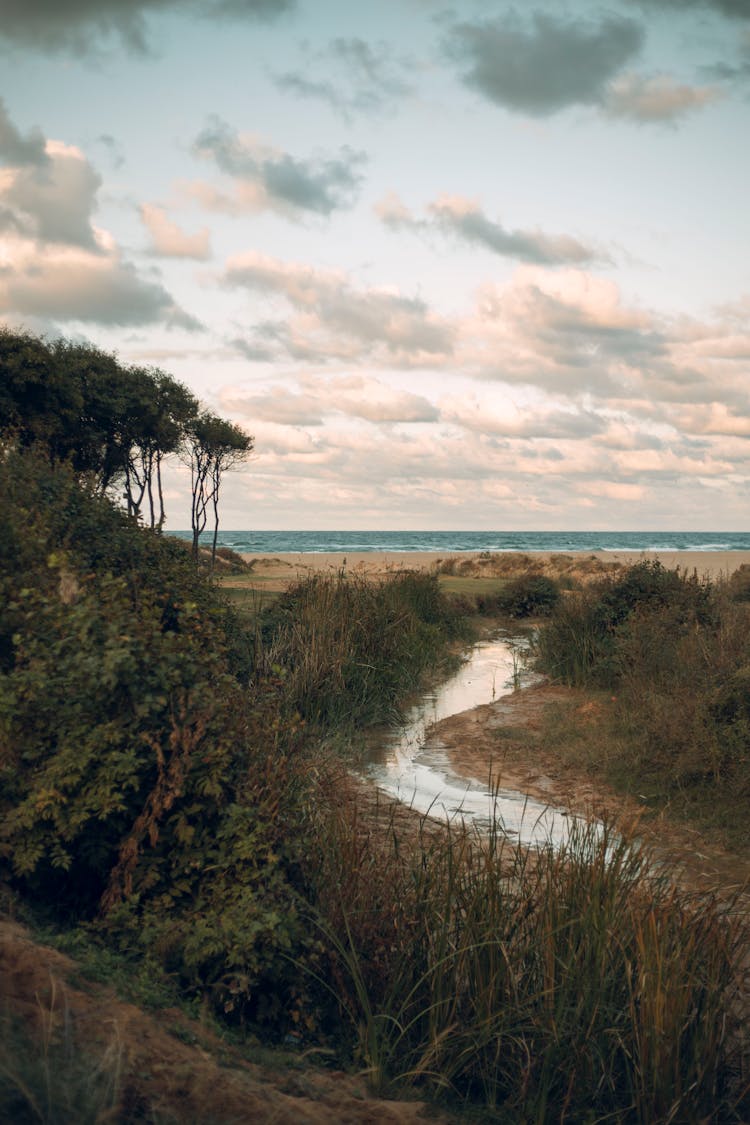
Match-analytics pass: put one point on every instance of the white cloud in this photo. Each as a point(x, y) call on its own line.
point(168, 240)
point(55, 264)
point(334, 320)
point(69, 283)
point(656, 99)
point(464, 219)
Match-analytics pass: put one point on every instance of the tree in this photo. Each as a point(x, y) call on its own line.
point(159, 413)
point(114, 424)
point(213, 445)
point(40, 401)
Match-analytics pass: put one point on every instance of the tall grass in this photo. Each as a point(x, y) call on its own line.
point(349, 649)
point(559, 985)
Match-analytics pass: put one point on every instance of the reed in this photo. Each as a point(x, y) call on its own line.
point(48, 1078)
point(569, 984)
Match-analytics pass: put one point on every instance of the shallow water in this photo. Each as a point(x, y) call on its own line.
point(410, 763)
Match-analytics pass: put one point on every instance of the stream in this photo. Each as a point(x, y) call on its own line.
point(409, 762)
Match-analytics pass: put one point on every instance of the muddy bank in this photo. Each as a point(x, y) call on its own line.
point(507, 740)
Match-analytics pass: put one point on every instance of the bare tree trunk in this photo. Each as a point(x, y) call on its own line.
point(215, 498)
point(149, 476)
point(162, 513)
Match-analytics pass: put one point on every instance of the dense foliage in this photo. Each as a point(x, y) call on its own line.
point(151, 776)
point(114, 424)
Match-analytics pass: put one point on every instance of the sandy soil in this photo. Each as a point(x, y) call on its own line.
point(503, 740)
point(287, 566)
point(202, 1079)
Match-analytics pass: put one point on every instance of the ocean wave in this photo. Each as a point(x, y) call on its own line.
point(454, 542)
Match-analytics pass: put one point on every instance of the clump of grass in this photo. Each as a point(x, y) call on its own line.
point(567, 984)
point(231, 562)
point(350, 649)
point(47, 1078)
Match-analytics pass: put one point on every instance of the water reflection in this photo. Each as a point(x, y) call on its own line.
point(410, 763)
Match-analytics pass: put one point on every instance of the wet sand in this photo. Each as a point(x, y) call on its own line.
point(714, 564)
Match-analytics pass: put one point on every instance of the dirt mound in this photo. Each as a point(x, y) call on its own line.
point(170, 1068)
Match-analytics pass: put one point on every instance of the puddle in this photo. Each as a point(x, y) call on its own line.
point(410, 763)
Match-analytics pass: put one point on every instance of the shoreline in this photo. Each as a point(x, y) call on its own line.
point(711, 564)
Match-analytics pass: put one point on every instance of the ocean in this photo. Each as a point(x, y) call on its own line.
point(284, 542)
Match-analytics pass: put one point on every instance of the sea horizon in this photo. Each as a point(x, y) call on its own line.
point(343, 541)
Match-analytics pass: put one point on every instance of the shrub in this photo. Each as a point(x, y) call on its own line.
point(581, 642)
point(530, 595)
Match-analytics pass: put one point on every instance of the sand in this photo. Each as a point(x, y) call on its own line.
point(714, 564)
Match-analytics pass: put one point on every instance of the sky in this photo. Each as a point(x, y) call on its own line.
point(470, 265)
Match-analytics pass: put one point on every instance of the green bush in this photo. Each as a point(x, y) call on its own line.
point(674, 651)
point(530, 595)
point(581, 643)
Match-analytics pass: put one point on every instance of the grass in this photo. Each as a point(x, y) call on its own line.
point(47, 1078)
point(349, 649)
point(560, 985)
point(553, 985)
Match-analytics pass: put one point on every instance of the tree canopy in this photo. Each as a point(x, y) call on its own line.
point(114, 424)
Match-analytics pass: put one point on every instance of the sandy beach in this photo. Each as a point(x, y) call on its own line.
point(714, 564)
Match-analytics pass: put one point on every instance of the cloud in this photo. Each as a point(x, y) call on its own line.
point(269, 178)
point(368, 78)
point(733, 9)
point(352, 396)
point(547, 65)
point(715, 418)
point(168, 240)
point(54, 263)
point(54, 200)
point(68, 283)
point(112, 148)
point(560, 401)
point(277, 405)
point(464, 219)
point(738, 71)
point(16, 149)
point(80, 26)
point(549, 422)
point(655, 99)
point(373, 401)
point(333, 319)
point(611, 490)
point(565, 331)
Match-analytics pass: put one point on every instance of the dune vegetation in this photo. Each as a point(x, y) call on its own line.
point(666, 655)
